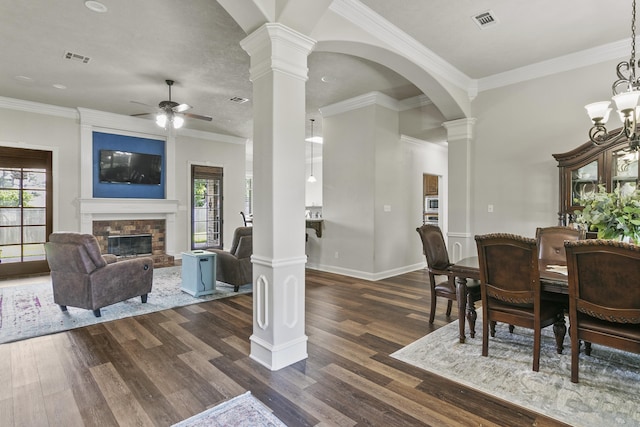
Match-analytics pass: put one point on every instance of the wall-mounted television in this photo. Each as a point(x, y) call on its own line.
point(131, 168)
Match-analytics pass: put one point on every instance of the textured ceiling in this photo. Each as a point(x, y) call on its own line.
point(138, 44)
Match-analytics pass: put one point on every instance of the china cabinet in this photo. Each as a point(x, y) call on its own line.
point(584, 168)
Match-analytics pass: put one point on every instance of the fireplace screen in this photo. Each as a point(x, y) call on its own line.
point(129, 245)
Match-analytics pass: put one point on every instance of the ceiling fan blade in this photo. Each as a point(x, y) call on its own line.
point(199, 117)
point(182, 107)
point(142, 114)
point(146, 105)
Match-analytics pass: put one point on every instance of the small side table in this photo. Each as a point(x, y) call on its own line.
point(198, 273)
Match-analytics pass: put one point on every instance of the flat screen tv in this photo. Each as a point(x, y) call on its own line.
point(130, 168)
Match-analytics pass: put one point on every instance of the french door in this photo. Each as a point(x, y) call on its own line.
point(206, 207)
point(26, 210)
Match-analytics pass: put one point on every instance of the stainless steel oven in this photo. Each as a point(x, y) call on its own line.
point(431, 204)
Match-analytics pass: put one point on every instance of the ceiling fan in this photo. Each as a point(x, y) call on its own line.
point(170, 112)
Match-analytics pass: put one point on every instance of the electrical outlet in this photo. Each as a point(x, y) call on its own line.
point(490, 208)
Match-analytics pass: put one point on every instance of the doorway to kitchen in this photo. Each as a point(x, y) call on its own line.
point(431, 198)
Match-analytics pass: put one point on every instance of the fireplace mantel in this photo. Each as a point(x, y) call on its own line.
point(130, 209)
point(127, 206)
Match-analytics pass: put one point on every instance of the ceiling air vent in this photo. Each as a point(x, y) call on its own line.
point(485, 19)
point(238, 99)
point(76, 57)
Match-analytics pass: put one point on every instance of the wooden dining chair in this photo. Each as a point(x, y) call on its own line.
point(551, 240)
point(510, 288)
point(604, 302)
point(441, 279)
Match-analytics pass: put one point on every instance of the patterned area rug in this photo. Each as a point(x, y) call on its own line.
point(242, 411)
point(29, 311)
point(608, 392)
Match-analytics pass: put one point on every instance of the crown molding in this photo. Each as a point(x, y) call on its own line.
point(596, 55)
point(38, 108)
point(424, 143)
point(368, 99)
point(414, 102)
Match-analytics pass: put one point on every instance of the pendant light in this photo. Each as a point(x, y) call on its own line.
point(311, 177)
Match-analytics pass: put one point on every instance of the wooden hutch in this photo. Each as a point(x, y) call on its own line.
point(611, 164)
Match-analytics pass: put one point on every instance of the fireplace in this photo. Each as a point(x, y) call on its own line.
point(129, 245)
point(139, 237)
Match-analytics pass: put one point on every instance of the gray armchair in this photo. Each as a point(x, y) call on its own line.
point(82, 277)
point(234, 267)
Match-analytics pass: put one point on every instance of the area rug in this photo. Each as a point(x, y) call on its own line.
point(28, 311)
point(242, 411)
point(608, 392)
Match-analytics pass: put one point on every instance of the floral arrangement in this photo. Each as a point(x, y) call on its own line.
point(613, 215)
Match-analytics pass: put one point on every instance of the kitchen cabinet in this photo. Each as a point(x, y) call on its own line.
point(584, 168)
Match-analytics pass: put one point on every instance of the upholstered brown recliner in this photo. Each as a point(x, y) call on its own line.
point(234, 267)
point(82, 277)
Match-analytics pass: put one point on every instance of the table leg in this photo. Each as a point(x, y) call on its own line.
point(560, 330)
point(461, 296)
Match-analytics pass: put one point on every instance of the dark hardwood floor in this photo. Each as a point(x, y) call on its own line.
point(160, 368)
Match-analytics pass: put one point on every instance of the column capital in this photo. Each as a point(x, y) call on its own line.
point(275, 47)
point(461, 129)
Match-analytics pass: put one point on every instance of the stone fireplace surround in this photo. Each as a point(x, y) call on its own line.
point(104, 217)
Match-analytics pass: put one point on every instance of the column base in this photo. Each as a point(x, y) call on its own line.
point(280, 356)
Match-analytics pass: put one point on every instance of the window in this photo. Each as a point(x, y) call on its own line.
point(206, 216)
point(25, 210)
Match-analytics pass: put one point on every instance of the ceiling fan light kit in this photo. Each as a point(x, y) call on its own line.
point(170, 113)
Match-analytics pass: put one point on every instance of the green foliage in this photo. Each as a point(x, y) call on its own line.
point(10, 198)
point(613, 215)
point(199, 192)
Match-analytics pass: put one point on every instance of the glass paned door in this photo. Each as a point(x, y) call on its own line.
point(624, 171)
point(206, 218)
point(584, 181)
point(25, 210)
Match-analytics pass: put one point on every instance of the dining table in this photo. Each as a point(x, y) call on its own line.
point(553, 283)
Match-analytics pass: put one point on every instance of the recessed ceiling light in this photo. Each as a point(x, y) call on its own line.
point(59, 86)
point(328, 79)
point(238, 99)
point(95, 6)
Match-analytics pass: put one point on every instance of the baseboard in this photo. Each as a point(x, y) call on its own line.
point(364, 274)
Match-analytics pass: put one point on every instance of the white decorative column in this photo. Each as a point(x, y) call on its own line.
point(278, 72)
point(460, 238)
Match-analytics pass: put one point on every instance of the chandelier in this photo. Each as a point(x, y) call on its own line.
point(626, 94)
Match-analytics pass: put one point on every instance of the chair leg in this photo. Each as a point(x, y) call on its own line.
point(449, 304)
point(143, 298)
point(492, 325)
point(511, 329)
point(63, 307)
point(485, 333)
point(97, 313)
point(536, 349)
point(236, 288)
point(432, 313)
point(575, 353)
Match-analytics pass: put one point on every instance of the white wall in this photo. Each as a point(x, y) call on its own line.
point(368, 166)
point(519, 127)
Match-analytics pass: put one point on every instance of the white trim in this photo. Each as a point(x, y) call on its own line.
point(277, 263)
point(365, 100)
point(372, 23)
point(442, 146)
point(364, 274)
point(38, 108)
